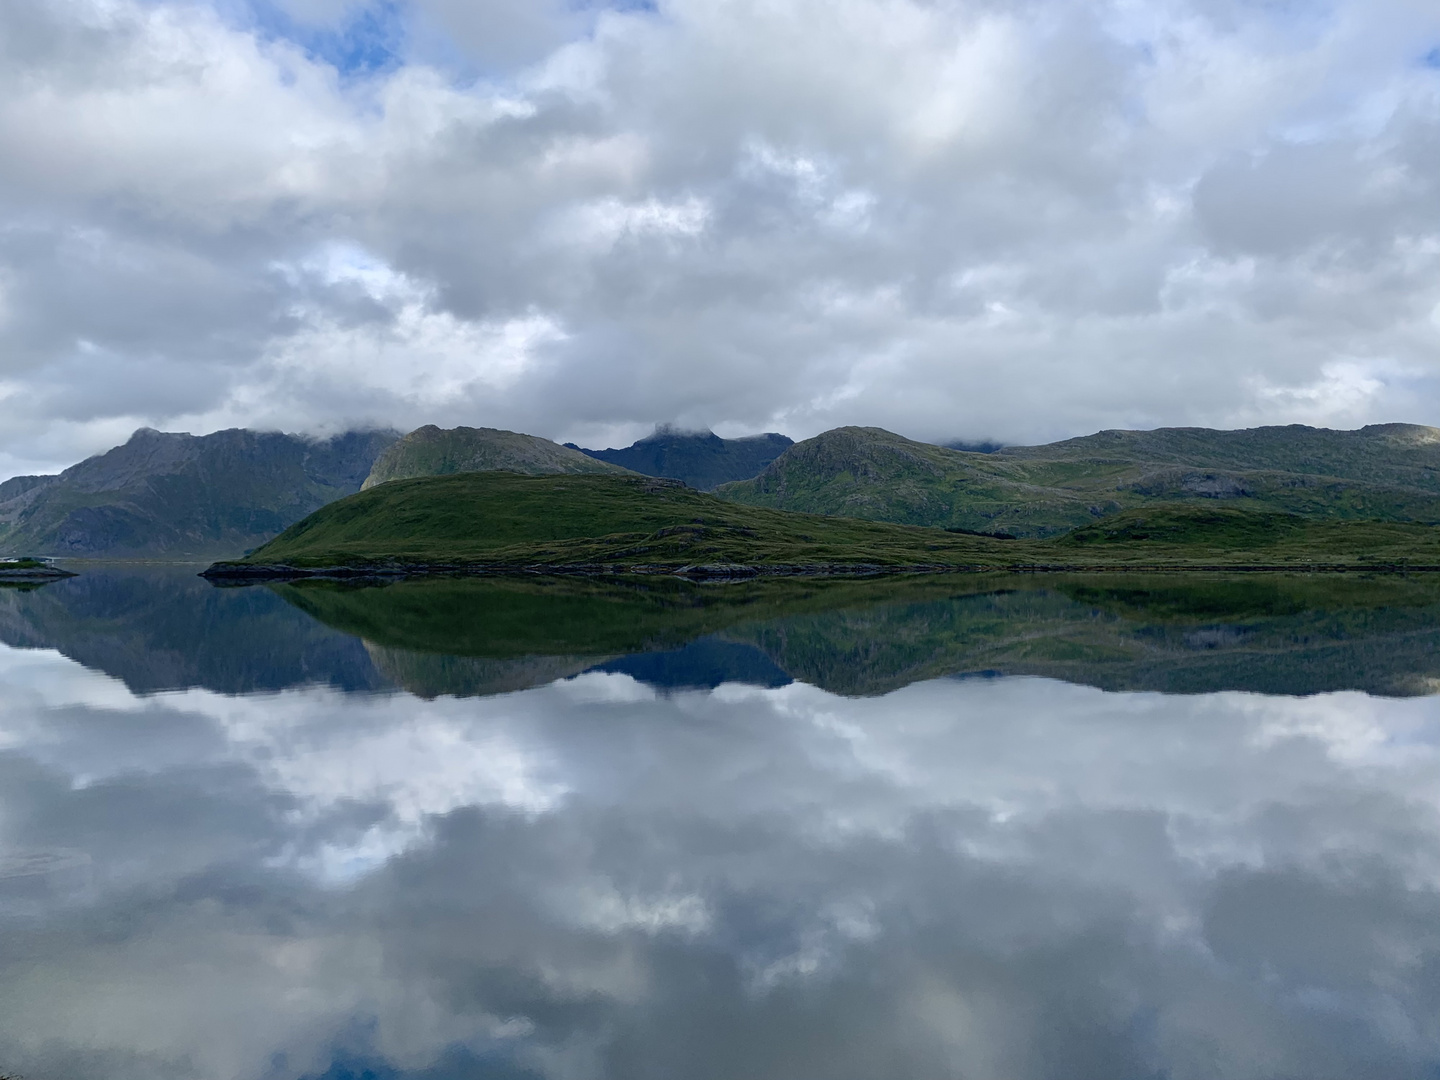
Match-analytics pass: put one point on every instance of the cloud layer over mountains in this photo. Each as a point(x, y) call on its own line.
point(952, 218)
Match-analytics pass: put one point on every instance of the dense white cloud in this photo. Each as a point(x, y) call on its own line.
point(949, 217)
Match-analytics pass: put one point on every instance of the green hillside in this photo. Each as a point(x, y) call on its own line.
point(432, 451)
point(1386, 472)
point(504, 520)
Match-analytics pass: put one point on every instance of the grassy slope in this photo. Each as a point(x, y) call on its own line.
point(504, 519)
point(431, 451)
point(1390, 472)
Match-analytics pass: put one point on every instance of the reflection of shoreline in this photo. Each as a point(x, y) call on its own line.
point(160, 629)
point(1289, 635)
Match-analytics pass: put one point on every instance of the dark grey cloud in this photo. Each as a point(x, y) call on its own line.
point(952, 219)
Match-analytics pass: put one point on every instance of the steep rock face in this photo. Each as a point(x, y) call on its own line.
point(432, 451)
point(701, 460)
point(1389, 472)
point(168, 495)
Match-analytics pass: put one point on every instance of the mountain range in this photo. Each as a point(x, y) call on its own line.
point(168, 495)
point(175, 496)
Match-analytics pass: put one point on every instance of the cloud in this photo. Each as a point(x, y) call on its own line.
point(1008, 877)
point(951, 219)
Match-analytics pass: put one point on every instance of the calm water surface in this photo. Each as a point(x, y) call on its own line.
point(1057, 829)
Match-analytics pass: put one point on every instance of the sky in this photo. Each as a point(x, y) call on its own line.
point(955, 219)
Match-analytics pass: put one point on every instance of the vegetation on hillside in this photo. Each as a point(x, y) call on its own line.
point(1389, 472)
point(432, 451)
point(503, 520)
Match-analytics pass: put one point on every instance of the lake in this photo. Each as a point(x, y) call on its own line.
point(998, 828)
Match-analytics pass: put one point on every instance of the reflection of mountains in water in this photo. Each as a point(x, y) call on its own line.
point(1182, 634)
point(164, 628)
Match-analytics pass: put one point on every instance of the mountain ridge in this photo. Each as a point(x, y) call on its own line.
point(177, 495)
point(1384, 472)
point(700, 459)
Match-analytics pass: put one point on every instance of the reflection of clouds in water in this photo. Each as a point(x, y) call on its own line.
point(1009, 878)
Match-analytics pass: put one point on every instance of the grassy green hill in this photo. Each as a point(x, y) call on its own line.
point(1385, 472)
point(504, 520)
point(432, 451)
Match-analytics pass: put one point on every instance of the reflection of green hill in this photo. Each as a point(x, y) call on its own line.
point(1275, 635)
point(1180, 634)
point(468, 636)
point(509, 617)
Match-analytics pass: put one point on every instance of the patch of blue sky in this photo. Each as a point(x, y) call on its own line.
point(365, 39)
point(1432, 58)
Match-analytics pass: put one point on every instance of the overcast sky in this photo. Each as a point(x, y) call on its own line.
point(1018, 220)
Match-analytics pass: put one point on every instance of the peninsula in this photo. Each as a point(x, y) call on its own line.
point(24, 571)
